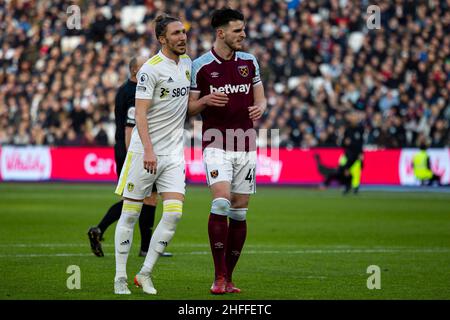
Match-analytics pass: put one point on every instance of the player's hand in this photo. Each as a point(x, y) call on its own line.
point(150, 161)
point(216, 99)
point(255, 112)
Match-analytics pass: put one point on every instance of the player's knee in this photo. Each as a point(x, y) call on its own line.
point(128, 219)
point(239, 214)
point(220, 206)
point(170, 220)
point(130, 214)
point(172, 212)
point(240, 202)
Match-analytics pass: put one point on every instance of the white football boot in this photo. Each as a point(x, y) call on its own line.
point(121, 286)
point(144, 281)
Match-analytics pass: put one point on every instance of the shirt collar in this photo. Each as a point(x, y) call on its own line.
point(219, 59)
point(167, 59)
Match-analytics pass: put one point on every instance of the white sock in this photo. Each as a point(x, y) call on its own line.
point(124, 235)
point(163, 233)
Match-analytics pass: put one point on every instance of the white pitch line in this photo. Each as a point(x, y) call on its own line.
point(77, 245)
point(45, 245)
point(304, 251)
point(37, 255)
point(183, 245)
point(330, 251)
point(206, 245)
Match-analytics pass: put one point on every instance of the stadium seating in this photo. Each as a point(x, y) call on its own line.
point(318, 60)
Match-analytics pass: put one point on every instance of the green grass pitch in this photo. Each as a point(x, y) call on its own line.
point(301, 244)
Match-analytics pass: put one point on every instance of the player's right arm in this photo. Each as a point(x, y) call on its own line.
point(147, 80)
point(197, 104)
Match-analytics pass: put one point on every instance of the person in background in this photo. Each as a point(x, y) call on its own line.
point(422, 167)
point(350, 165)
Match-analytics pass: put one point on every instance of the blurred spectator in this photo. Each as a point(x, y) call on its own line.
point(318, 60)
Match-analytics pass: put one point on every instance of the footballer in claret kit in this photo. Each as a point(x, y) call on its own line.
point(226, 90)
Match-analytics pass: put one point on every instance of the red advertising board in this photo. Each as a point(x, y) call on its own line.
point(283, 166)
point(83, 164)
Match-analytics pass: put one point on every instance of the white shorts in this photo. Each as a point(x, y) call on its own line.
point(136, 183)
point(236, 167)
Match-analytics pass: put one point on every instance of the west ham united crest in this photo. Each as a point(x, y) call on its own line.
point(214, 173)
point(243, 71)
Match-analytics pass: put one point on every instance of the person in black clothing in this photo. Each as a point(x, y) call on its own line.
point(124, 117)
point(350, 164)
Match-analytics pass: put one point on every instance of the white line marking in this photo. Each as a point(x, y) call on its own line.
point(330, 251)
point(206, 245)
point(301, 251)
point(37, 255)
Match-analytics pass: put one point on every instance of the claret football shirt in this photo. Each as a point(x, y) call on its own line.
point(236, 78)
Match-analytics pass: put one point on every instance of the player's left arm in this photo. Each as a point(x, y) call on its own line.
point(259, 99)
point(260, 103)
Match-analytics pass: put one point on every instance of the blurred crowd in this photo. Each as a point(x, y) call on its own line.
point(319, 59)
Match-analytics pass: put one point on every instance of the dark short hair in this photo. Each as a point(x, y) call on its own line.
point(223, 16)
point(161, 23)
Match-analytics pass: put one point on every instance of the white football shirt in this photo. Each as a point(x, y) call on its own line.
point(166, 83)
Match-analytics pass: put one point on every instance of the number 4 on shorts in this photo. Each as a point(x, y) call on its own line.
point(250, 175)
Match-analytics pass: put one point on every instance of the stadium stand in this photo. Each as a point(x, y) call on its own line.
point(318, 60)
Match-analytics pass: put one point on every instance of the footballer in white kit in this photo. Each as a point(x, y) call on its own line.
point(167, 85)
point(155, 154)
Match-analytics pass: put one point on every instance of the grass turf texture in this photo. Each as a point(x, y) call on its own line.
point(301, 244)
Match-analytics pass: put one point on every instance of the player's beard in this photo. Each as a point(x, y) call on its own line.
point(234, 45)
point(177, 50)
